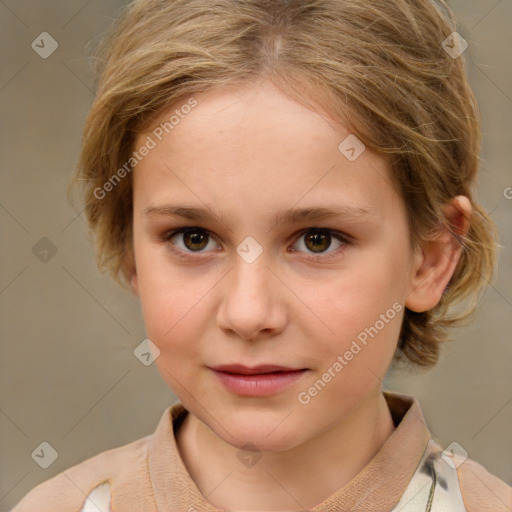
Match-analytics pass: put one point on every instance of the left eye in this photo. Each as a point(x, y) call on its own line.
point(315, 240)
point(318, 240)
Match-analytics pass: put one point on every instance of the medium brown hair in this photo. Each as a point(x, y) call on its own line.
point(378, 66)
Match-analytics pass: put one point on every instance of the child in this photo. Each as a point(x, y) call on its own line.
point(287, 187)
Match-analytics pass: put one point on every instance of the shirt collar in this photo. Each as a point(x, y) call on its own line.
point(378, 486)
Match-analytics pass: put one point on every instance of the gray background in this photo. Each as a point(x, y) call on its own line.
point(67, 369)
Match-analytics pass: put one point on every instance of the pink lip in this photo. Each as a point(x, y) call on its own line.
point(254, 370)
point(261, 384)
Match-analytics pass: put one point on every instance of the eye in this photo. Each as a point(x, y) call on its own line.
point(318, 240)
point(193, 239)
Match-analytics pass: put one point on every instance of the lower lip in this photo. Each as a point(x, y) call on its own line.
point(258, 385)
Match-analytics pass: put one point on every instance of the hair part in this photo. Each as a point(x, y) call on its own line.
point(378, 66)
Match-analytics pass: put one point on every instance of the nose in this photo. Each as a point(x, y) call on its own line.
point(252, 301)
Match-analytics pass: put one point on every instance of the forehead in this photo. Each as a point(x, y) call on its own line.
point(256, 149)
point(254, 115)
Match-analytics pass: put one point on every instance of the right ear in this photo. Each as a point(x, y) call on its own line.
point(134, 282)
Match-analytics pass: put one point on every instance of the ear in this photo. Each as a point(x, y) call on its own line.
point(435, 263)
point(134, 282)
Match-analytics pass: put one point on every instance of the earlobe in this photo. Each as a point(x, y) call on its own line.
point(134, 282)
point(440, 254)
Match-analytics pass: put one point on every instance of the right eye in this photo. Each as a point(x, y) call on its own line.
point(189, 240)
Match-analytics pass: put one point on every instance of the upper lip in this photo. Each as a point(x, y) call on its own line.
point(254, 370)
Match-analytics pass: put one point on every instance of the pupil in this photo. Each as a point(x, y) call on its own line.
point(318, 241)
point(195, 238)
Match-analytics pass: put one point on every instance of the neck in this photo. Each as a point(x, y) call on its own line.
point(294, 479)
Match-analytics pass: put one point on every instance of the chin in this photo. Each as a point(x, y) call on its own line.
point(267, 434)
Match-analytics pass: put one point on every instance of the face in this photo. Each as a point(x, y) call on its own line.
point(322, 294)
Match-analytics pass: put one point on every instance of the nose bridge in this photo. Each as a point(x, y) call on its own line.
point(249, 298)
point(249, 282)
point(250, 275)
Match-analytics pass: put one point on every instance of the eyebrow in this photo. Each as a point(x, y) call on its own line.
point(293, 216)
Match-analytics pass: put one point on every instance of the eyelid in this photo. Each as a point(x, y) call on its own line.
point(334, 232)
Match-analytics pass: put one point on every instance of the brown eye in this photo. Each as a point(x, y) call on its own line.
point(318, 241)
point(315, 242)
point(195, 240)
point(189, 239)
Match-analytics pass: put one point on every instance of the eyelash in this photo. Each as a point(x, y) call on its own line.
point(166, 237)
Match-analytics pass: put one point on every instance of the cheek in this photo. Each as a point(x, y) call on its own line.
point(360, 313)
point(356, 297)
point(177, 306)
point(172, 313)
point(166, 297)
point(352, 361)
point(173, 321)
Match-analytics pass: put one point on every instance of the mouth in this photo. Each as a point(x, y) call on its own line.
point(262, 380)
point(262, 369)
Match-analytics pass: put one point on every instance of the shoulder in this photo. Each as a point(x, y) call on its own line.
point(67, 491)
point(448, 480)
point(481, 490)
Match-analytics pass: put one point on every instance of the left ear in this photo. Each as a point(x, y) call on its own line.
point(435, 264)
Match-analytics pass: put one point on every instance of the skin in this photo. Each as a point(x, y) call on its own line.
point(250, 153)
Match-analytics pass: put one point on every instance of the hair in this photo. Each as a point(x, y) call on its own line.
point(378, 66)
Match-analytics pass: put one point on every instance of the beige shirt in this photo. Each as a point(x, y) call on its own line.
point(410, 473)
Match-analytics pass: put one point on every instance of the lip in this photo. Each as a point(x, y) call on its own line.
point(272, 379)
point(253, 370)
